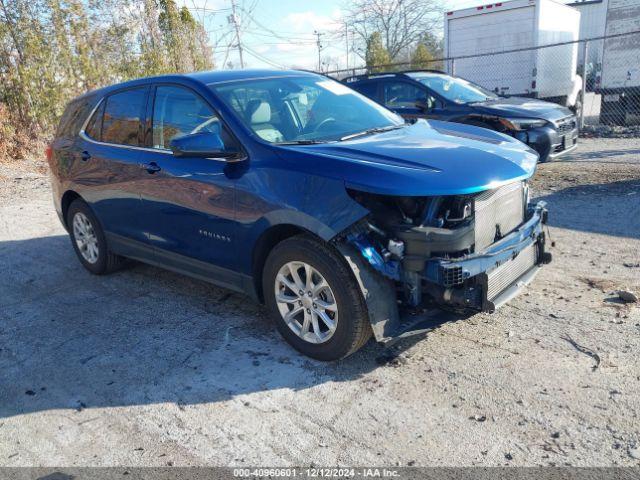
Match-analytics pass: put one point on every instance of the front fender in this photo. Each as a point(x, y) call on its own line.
point(268, 197)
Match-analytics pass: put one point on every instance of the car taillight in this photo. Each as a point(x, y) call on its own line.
point(49, 153)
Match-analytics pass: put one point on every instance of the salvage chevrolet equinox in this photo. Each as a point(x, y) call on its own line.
point(296, 190)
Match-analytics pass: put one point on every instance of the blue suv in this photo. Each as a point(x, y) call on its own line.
point(294, 189)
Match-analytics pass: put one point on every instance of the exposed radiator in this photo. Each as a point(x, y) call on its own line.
point(501, 277)
point(498, 211)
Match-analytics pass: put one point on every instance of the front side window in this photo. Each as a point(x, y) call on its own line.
point(178, 112)
point(122, 114)
point(402, 95)
point(302, 108)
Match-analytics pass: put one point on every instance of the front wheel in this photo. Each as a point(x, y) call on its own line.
point(315, 299)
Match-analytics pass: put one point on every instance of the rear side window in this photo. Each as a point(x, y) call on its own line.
point(122, 114)
point(94, 126)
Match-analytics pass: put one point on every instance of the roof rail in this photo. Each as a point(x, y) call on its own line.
point(365, 76)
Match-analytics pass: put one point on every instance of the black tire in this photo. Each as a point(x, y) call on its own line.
point(106, 262)
point(353, 329)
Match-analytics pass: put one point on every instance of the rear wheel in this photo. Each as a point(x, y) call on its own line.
point(88, 240)
point(315, 299)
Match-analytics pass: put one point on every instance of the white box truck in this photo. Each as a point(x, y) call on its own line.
point(620, 78)
point(546, 73)
point(593, 14)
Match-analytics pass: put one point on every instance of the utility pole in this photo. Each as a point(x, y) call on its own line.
point(236, 24)
point(318, 35)
point(346, 41)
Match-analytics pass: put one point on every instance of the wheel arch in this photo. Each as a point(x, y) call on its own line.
point(67, 199)
point(265, 243)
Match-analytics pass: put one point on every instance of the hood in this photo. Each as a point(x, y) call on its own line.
point(426, 158)
point(523, 107)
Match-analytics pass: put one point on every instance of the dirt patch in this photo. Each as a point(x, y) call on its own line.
point(149, 368)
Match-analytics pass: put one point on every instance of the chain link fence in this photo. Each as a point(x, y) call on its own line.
point(603, 91)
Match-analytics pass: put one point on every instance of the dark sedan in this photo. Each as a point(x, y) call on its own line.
point(548, 128)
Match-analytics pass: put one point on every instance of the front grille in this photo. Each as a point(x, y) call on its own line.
point(566, 125)
point(504, 275)
point(497, 213)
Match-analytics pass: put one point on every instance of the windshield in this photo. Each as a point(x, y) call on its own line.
point(456, 90)
point(303, 109)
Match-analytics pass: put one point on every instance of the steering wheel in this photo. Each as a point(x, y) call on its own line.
point(323, 123)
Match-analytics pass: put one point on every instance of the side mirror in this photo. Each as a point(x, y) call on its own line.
point(201, 144)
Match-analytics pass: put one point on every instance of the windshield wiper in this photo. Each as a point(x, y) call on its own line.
point(371, 131)
point(302, 142)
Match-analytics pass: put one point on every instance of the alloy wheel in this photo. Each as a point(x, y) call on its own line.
point(306, 302)
point(85, 237)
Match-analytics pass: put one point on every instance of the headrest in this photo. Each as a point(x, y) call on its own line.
point(261, 113)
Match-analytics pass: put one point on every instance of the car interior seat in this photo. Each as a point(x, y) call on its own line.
point(258, 113)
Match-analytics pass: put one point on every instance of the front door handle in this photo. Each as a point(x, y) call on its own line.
point(151, 167)
point(85, 156)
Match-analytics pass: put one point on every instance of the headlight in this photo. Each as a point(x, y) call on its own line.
point(522, 123)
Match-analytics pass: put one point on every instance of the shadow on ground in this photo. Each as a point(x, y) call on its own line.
point(605, 208)
point(140, 336)
point(599, 156)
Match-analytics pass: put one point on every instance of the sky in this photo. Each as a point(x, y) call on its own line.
point(280, 33)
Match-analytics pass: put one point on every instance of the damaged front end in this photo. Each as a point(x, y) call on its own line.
point(462, 253)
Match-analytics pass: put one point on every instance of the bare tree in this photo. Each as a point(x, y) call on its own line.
point(401, 23)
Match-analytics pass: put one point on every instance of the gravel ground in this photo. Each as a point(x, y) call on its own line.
point(149, 368)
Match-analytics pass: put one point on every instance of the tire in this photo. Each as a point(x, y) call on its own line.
point(351, 321)
point(102, 261)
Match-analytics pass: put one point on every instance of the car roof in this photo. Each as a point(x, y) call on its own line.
point(412, 74)
point(205, 78)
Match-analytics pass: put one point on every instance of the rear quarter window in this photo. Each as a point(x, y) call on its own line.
point(73, 117)
point(94, 125)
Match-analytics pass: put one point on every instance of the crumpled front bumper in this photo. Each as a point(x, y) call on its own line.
point(486, 280)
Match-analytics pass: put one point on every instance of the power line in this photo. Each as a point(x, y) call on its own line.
point(209, 10)
point(262, 58)
point(279, 37)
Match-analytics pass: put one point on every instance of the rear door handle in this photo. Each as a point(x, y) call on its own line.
point(85, 156)
point(151, 167)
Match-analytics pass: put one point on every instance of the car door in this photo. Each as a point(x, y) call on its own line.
point(188, 201)
point(108, 173)
point(402, 97)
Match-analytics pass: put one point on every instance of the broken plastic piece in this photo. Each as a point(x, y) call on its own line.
point(389, 268)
